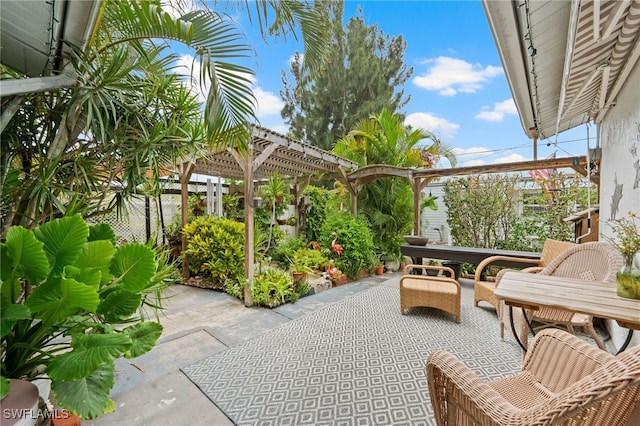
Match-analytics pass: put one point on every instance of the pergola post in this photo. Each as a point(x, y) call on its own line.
point(186, 170)
point(417, 185)
point(246, 163)
point(298, 190)
point(353, 192)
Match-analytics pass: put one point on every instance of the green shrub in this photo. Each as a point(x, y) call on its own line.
point(283, 252)
point(306, 260)
point(316, 213)
point(354, 235)
point(272, 288)
point(215, 247)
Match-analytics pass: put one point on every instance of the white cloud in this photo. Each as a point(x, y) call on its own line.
point(268, 103)
point(512, 158)
point(498, 111)
point(439, 126)
point(450, 75)
point(471, 163)
point(179, 8)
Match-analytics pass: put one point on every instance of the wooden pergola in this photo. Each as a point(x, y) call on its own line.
point(268, 152)
point(419, 178)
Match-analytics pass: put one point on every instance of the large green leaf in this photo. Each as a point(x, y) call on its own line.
point(5, 387)
point(23, 254)
point(89, 351)
point(57, 299)
point(10, 315)
point(119, 305)
point(88, 397)
point(144, 336)
point(135, 264)
point(97, 255)
point(102, 231)
point(63, 240)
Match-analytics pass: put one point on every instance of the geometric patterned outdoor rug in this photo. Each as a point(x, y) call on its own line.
point(354, 362)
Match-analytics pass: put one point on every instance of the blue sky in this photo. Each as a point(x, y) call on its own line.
point(458, 89)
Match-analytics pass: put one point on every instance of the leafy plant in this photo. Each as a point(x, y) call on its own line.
point(306, 259)
point(71, 304)
point(316, 212)
point(481, 209)
point(215, 246)
point(355, 237)
point(627, 238)
point(284, 251)
point(272, 288)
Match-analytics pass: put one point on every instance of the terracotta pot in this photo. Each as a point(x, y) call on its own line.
point(379, 270)
point(299, 276)
point(363, 274)
point(340, 280)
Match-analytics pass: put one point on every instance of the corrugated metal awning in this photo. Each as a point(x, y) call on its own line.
point(566, 61)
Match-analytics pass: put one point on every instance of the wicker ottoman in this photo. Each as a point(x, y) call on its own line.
point(427, 291)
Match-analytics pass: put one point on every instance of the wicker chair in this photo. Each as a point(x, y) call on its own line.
point(563, 381)
point(483, 290)
point(594, 261)
point(433, 292)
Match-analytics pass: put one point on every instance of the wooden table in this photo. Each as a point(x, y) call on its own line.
point(463, 254)
point(599, 299)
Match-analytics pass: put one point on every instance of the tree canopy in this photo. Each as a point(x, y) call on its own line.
point(364, 73)
point(128, 113)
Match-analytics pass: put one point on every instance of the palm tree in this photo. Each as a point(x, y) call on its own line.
point(388, 202)
point(128, 114)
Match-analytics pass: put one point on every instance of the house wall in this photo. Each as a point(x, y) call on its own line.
point(620, 167)
point(433, 223)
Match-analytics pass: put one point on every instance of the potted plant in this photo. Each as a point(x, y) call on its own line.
point(300, 264)
point(71, 304)
point(627, 241)
point(379, 269)
point(433, 272)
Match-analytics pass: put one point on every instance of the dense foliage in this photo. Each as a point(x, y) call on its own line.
point(481, 209)
point(503, 212)
point(215, 247)
point(273, 288)
point(354, 235)
point(364, 72)
point(387, 202)
point(72, 303)
point(317, 211)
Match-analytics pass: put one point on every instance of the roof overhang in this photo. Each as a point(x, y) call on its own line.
point(566, 61)
point(36, 38)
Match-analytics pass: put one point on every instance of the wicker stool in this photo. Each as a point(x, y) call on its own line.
point(432, 292)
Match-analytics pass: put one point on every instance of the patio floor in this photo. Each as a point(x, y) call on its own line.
point(151, 390)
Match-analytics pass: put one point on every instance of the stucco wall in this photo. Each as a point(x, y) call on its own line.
point(620, 174)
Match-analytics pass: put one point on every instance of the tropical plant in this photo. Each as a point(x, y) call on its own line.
point(272, 288)
point(306, 260)
point(283, 252)
point(388, 202)
point(72, 302)
point(365, 72)
point(128, 115)
point(277, 194)
point(317, 211)
point(215, 248)
point(355, 238)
